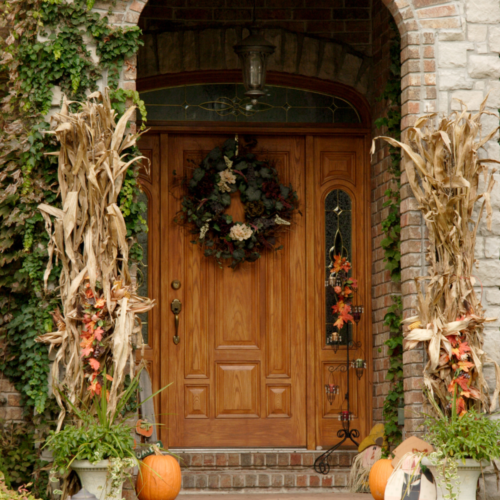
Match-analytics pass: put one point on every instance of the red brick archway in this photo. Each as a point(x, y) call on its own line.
point(418, 22)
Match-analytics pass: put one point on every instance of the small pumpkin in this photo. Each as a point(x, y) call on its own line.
point(379, 475)
point(159, 477)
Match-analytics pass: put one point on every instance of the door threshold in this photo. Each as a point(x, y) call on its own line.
point(250, 450)
point(241, 450)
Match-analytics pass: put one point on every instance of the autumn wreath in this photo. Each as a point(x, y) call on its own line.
point(269, 205)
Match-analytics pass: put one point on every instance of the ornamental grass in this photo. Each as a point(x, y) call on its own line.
point(98, 326)
point(444, 169)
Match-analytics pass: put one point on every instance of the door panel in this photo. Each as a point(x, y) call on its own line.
point(340, 164)
point(238, 372)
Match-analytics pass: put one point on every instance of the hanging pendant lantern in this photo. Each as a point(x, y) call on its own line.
point(253, 53)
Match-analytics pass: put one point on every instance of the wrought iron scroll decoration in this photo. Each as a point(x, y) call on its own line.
point(338, 242)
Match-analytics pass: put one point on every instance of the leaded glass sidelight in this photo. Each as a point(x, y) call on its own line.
point(142, 268)
point(338, 240)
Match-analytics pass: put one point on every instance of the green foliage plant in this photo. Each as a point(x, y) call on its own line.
point(391, 243)
point(456, 438)
point(95, 435)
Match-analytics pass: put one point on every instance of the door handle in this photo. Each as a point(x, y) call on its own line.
point(176, 307)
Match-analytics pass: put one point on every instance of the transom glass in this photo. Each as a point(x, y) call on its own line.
point(227, 102)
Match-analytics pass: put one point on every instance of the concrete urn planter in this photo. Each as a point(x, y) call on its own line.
point(468, 475)
point(94, 478)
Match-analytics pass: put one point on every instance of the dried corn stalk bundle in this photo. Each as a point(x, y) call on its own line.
point(443, 171)
point(99, 323)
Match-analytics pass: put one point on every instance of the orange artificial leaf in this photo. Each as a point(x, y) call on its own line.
point(339, 323)
point(346, 265)
point(337, 290)
point(464, 348)
point(86, 351)
point(100, 303)
point(98, 333)
point(94, 364)
point(87, 341)
point(89, 327)
point(465, 365)
point(337, 264)
point(460, 406)
point(109, 377)
point(95, 388)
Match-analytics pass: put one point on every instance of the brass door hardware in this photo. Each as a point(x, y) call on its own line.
point(176, 307)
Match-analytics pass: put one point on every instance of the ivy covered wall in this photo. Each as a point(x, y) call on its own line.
point(52, 48)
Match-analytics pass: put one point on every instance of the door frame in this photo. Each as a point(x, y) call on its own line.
point(160, 288)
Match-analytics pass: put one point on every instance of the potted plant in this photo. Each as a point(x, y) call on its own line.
point(464, 444)
point(97, 444)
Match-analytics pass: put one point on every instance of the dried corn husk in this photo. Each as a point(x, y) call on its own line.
point(443, 171)
point(89, 238)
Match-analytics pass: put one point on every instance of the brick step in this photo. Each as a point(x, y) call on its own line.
point(285, 480)
point(259, 460)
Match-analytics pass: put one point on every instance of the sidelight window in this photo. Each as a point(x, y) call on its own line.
point(338, 241)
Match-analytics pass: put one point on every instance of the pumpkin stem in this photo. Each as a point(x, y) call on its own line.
point(156, 450)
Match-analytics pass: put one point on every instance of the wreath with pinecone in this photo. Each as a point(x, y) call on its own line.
point(269, 205)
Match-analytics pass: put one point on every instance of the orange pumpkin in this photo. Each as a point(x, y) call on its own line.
point(159, 478)
point(379, 475)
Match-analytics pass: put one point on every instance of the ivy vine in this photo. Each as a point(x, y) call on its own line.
point(54, 47)
point(392, 242)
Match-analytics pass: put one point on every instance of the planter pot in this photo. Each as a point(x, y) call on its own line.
point(468, 474)
point(94, 478)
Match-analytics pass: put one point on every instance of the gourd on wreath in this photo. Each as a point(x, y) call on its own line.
point(269, 205)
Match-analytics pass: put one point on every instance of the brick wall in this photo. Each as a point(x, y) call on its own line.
point(347, 21)
point(382, 285)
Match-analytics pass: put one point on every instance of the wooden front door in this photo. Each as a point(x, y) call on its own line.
point(238, 372)
point(253, 359)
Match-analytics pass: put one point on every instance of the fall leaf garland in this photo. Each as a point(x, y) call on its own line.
point(344, 292)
